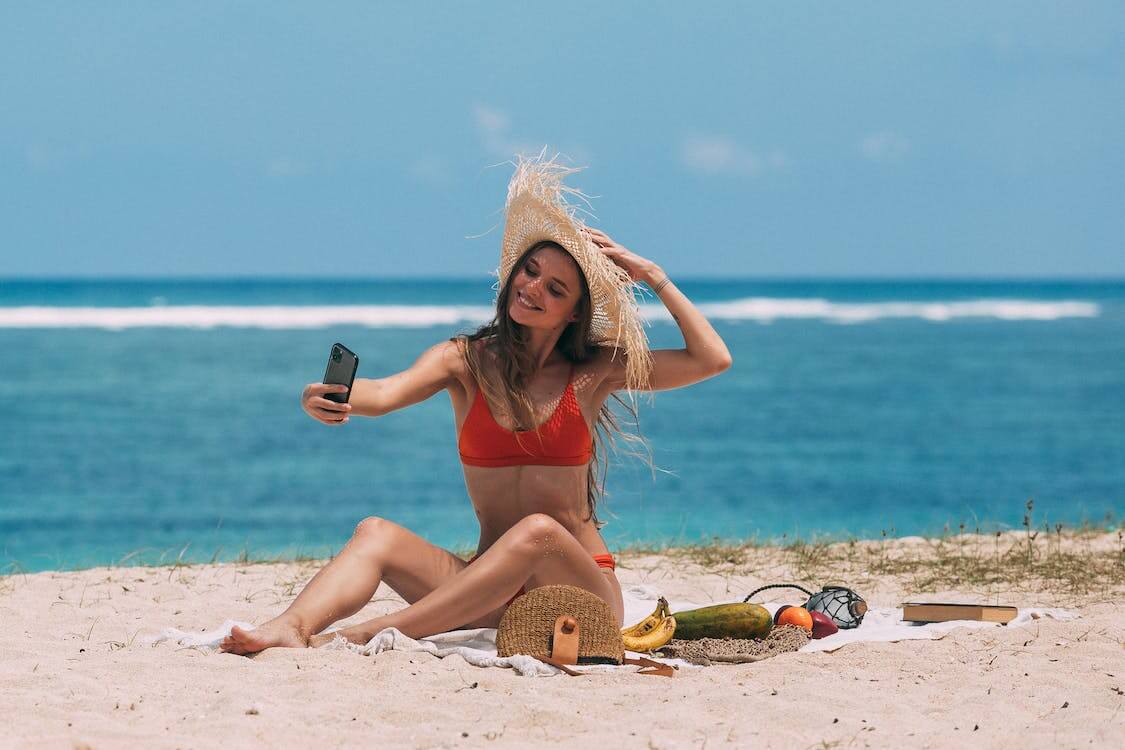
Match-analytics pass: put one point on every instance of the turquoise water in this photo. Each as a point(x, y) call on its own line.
point(146, 416)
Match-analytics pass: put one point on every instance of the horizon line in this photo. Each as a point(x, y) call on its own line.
point(491, 279)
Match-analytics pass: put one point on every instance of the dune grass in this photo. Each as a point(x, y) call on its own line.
point(1066, 561)
point(1082, 560)
point(1058, 559)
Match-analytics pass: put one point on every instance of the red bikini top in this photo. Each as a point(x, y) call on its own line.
point(563, 440)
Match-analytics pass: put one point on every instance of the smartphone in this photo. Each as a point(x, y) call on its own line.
point(342, 365)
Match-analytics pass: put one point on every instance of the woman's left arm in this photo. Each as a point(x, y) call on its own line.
point(704, 354)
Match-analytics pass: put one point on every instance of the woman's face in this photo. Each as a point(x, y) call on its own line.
point(546, 290)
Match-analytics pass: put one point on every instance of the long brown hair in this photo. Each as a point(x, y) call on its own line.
point(507, 343)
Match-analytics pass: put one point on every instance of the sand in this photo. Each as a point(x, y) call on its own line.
point(75, 673)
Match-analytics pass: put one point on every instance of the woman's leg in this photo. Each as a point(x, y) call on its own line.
point(536, 551)
point(378, 550)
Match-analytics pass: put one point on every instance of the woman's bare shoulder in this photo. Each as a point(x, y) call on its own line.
point(603, 359)
point(458, 358)
point(481, 348)
point(590, 373)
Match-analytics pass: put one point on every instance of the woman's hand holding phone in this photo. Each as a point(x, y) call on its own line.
point(322, 409)
point(327, 401)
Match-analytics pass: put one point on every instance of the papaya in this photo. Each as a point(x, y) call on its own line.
point(739, 620)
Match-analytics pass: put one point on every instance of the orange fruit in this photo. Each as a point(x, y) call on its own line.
point(798, 616)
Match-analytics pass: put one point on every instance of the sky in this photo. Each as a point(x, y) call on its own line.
point(720, 139)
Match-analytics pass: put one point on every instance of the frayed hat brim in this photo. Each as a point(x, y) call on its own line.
point(536, 209)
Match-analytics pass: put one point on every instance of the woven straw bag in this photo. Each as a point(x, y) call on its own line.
point(560, 625)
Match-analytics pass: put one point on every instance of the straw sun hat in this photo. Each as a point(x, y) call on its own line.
point(536, 209)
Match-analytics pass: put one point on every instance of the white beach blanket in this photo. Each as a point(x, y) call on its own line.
point(478, 646)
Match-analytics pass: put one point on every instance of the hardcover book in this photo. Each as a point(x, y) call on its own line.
point(943, 612)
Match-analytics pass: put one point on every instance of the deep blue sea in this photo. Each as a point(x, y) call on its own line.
point(158, 420)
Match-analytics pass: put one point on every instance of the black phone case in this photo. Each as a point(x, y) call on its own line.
point(341, 371)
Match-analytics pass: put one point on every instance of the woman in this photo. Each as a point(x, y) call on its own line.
point(525, 390)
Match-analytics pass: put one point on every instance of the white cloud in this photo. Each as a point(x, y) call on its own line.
point(430, 170)
point(494, 129)
point(285, 166)
point(885, 145)
point(53, 157)
point(490, 121)
point(716, 154)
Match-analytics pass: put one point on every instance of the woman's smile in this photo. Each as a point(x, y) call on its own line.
point(525, 303)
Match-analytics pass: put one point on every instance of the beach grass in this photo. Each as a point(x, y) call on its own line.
point(966, 561)
point(1063, 561)
point(1084, 560)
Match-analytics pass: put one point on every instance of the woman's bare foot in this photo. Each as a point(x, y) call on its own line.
point(316, 641)
point(358, 634)
point(276, 632)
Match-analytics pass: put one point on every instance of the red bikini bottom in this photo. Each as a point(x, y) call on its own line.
point(603, 561)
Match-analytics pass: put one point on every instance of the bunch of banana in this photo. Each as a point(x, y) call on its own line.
point(652, 632)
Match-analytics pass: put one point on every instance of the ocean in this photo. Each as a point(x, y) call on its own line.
point(156, 420)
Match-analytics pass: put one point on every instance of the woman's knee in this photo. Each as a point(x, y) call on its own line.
point(538, 529)
point(373, 532)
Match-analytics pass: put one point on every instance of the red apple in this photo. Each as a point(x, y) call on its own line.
point(822, 625)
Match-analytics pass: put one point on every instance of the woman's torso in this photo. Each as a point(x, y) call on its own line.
point(502, 495)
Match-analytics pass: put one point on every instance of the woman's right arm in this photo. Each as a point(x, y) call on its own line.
point(433, 371)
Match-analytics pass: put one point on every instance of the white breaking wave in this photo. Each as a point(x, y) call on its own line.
point(766, 309)
point(259, 316)
point(759, 309)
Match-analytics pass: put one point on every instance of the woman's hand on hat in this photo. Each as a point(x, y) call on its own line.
point(638, 268)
